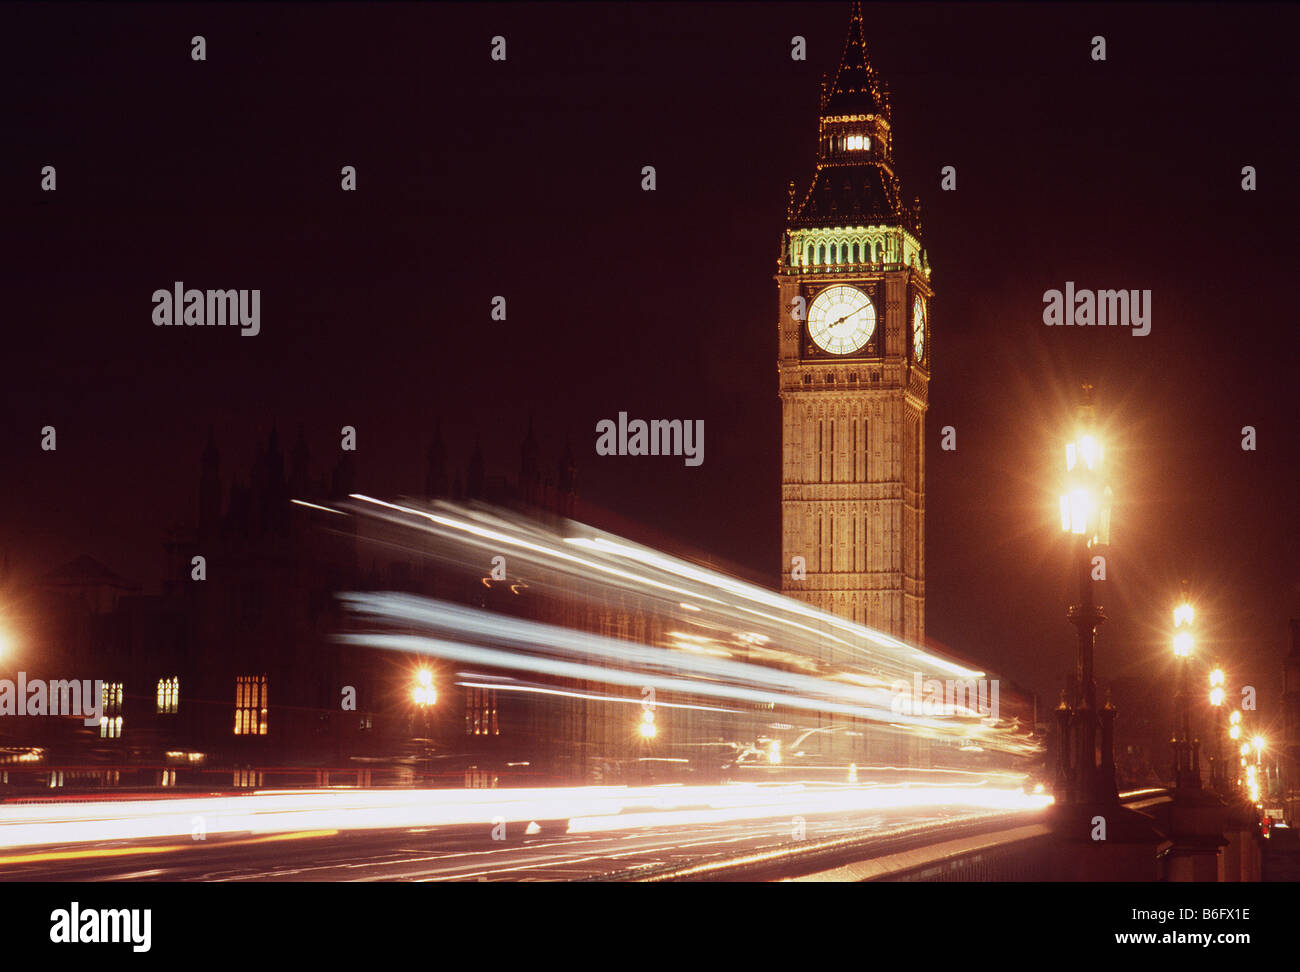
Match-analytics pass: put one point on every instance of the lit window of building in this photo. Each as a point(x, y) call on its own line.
point(169, 694)
point(250, 705)
point(110, 719)
point(481, 712)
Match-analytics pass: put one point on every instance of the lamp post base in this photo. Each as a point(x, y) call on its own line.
point(1196, 821)
point(1105, 842)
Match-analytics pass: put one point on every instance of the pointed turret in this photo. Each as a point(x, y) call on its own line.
point(435, 469)
point(274, 456)
point(474, 476)
point(567, 486)
point(274, 497)
point(343, 478)
point(530, 471)
point(856, 90)
point(855, 184)
point(299, 470)
point(210, 486)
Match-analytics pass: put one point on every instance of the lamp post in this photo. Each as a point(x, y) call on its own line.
point(1085, 784)
point(425, 695)
point(647, 730)
point(1187, 770)
point(1234, 733)
point(1085, 516)
point(1216, 701)
point(1261, 784)
point(1244, 751)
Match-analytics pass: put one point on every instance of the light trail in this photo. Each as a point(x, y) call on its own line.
point(563, 640)
point(304, 813)
point(727, 644)
point(507, 686)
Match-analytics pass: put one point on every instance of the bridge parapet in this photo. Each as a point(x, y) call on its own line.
point(1021, 847)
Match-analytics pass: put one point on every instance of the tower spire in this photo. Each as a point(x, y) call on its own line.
point(855, 183)
point(855, 90)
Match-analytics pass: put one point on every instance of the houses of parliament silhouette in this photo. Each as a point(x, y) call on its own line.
point(234, 679)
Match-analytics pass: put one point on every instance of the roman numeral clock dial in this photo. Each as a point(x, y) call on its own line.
point(918, 329)
point(841, 320)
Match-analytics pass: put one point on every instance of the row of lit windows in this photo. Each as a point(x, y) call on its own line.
point(250, 705)
point(835, 254)
point(830, 378)
point(481, 712)
point(169, 695)
point(110, 720)
point(846, 143)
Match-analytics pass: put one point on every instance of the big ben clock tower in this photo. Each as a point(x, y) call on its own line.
point(854, 365)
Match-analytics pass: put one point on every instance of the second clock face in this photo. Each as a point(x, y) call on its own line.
point(918, 329)
point(841, 320)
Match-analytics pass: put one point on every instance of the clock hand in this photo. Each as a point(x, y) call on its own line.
point(847, 316)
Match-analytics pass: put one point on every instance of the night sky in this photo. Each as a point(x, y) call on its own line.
point(522, 179)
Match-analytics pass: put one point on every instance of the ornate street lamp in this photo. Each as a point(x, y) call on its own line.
point(1085, 515)
point(425, 696)
point(1261, 772)
point(1254, 784)
point(1216, 700)
point(1187, 770)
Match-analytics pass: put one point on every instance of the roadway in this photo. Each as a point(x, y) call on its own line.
point(326, 835)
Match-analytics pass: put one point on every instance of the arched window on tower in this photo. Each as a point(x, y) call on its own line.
point(862, 545)
point(831, 453)
point(853, 447)
point(821, 255)
point(866, 446)
point(828, 554)
point(918, 455)
point(808, 257)
point(821, 450)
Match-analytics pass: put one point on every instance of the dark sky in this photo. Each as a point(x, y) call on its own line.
point(522, 179)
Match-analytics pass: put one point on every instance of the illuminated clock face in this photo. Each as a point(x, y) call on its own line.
point(918, 329)
point(841, 319)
